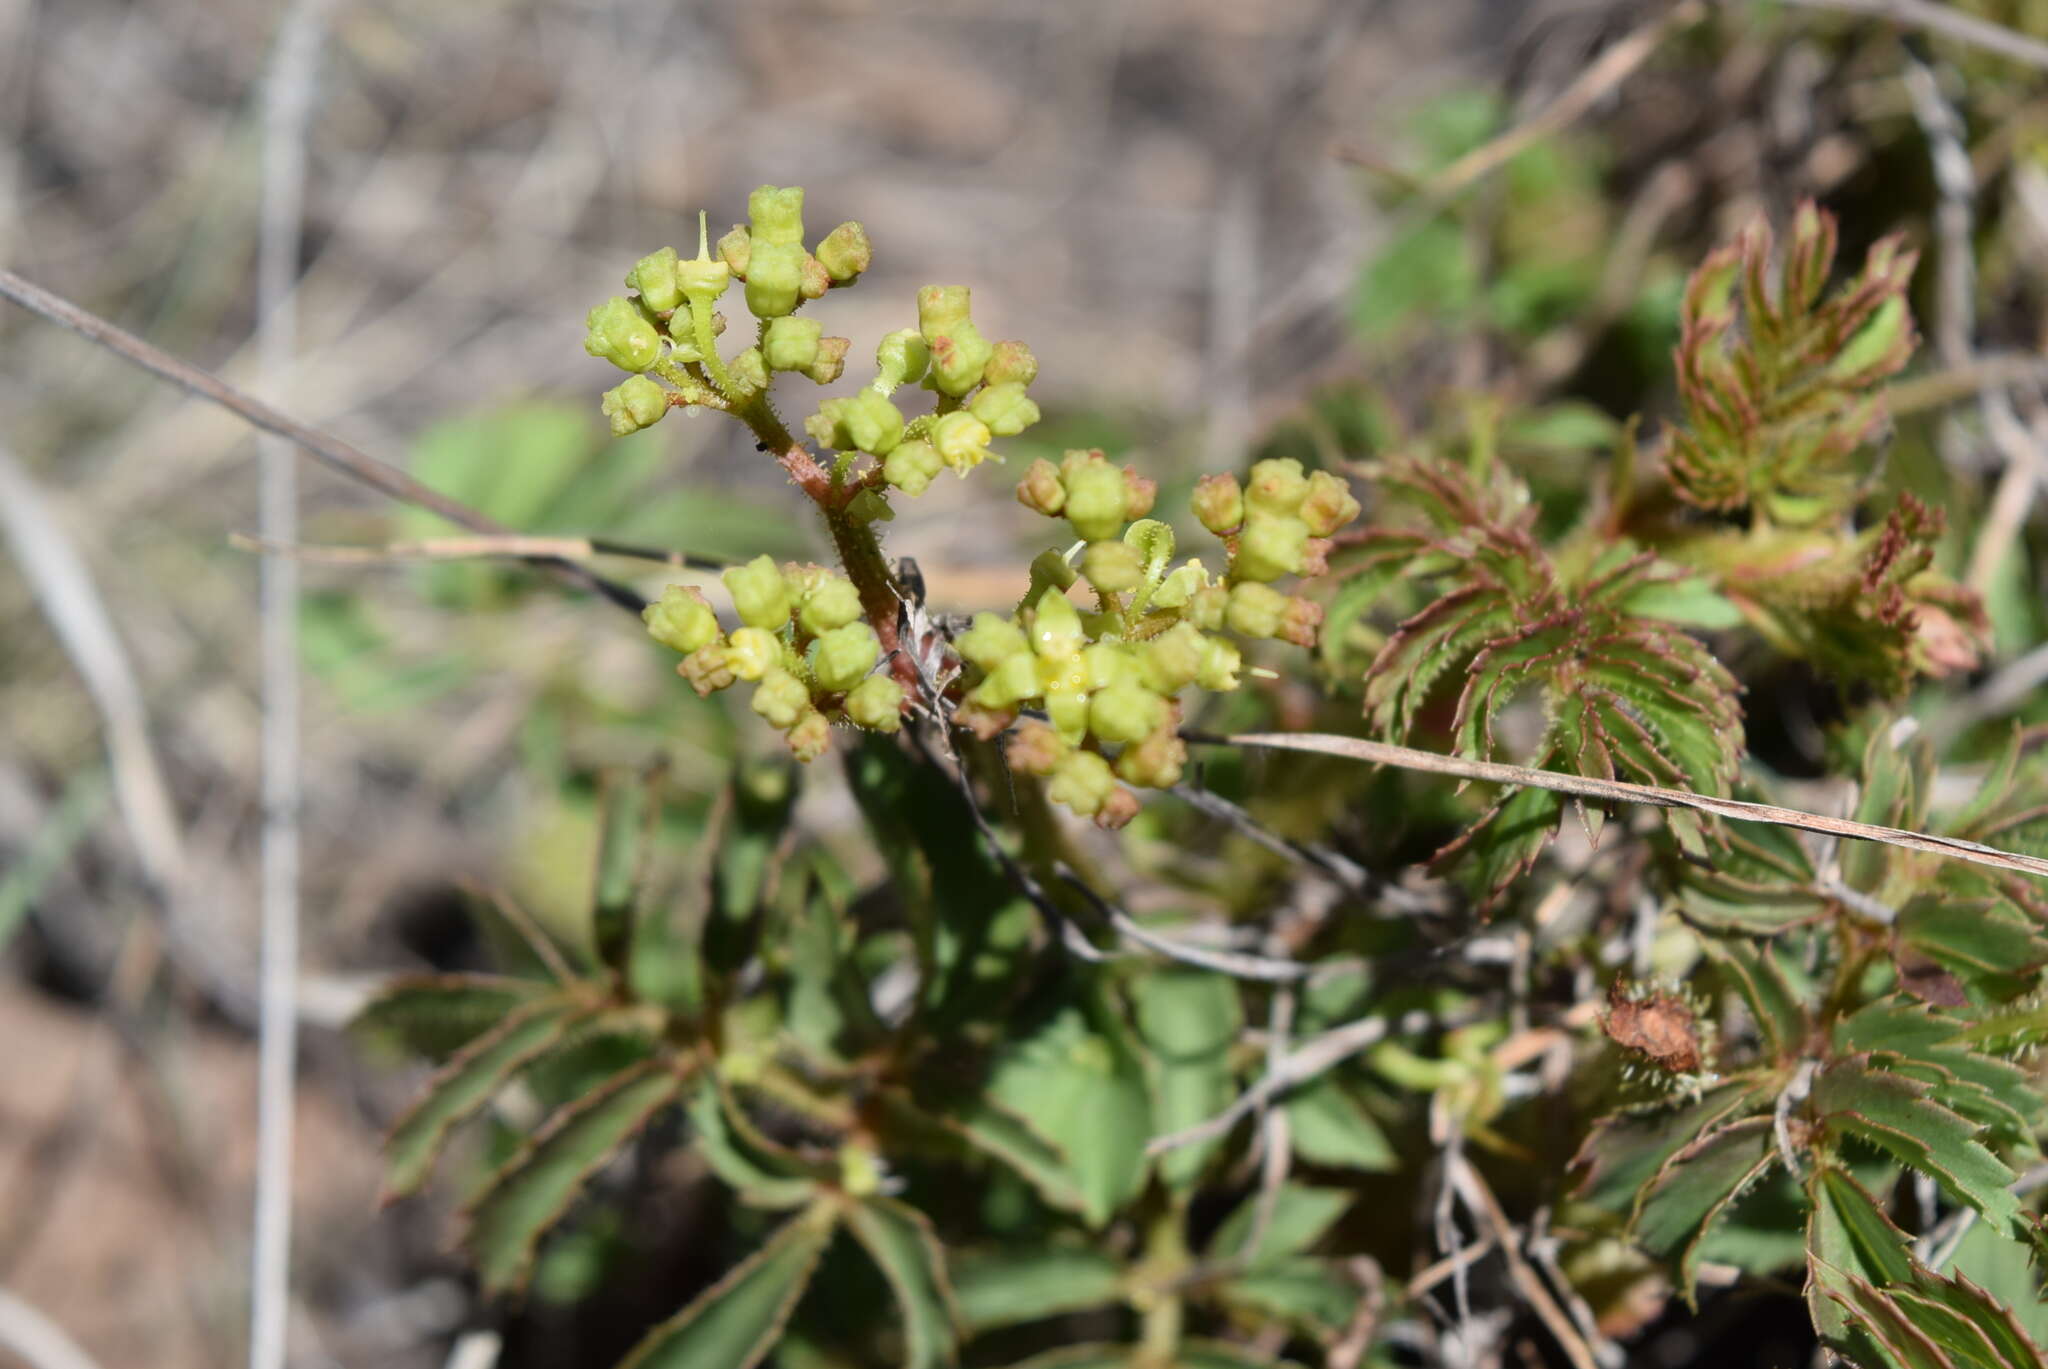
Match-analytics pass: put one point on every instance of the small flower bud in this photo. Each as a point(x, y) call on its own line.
point(1298, 625)
point(1221, 661)
point(1117, 810)
point(990, 641)
point(752, 652)
point(845, 252)
point(775, 278)
point(1329, 504)
point(901, 358)
point(1081, 780)
point(633, 404)
point(1068, 711)
point(815, 280)
point(961, 440)
point(759, 593)
point(1055, 625)
point(1155, 762)
point(736, 250)
point(1171, 661)
point(875, 703)
point(775, 214)
point(1011, 363)
point(831, 603)
point(1013, 680)
point(911, 466)
point(791, 344)
point(781, 698)
point(1207, 607)
point(959, 352)
point(1219, 504)
point(1034, 749)
point(1051, 568)
point(984, 722)
point(841, 658)
point(1125, 713)
point(654, 276)
point(1277, 486)
point(681, 620)
point(1097, 498)
point(682, 331)
point(811, 737)
point(1041, 490)
point(1256, 610)
point(707, 669)
point(621, 334)
point(1113, 567)
point(830, 362)
point(1005, 409)
point(1140, 492)
point(749, 370)
point(1110, 663)
point(872, 423)
point(1270, 547)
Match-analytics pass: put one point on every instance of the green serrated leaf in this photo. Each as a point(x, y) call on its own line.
point(2003, 1269)
point(1625, 1150)
point(761, 1177)
point(735, 1323)
point(466, 1083)
point(1329, 1127)
point(1300, 1215)
point(901, 1241)
point(531, 1191)
point(1757, 976)
point(1083, 1091)
point(1697, 1184)
point(434, 1016)
point(1894, 1114)
point(1311, 1295)
point(1189, 1019)
point(626, 813)
point(1005, 1286)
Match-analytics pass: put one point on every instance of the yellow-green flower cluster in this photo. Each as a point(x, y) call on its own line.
point(666, 327)
point(802, 643)
point(981, 396)
point(1109, 681)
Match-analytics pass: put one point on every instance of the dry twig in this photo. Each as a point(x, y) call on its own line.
point(330, 451)
point(1621, 791)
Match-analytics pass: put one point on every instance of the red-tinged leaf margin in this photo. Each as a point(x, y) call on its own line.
point(503, 1231)
point(463, 1085)
point(783, 1266)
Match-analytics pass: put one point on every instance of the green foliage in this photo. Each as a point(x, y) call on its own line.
point(920, 1041)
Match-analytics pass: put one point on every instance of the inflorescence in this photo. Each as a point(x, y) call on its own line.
point(1087, 695)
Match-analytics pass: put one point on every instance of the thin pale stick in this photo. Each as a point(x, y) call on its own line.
point(515, 546)
point(1607, 71)
point(1948, 22)
point(1621, 791)
point(328, 450)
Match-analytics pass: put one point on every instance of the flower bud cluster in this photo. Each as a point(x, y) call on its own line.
point(803, 644)
point(667, 326)
point(1111, 680)
point(981, 388)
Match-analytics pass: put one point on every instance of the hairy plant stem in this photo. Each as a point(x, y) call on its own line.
point(860, 551)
